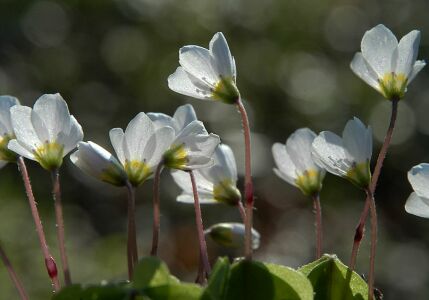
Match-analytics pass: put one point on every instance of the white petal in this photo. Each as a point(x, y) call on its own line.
point(181, 83)
point(418, 176)
point(23, 128)
point(357, 140)
point(203, 198)
point(224, 158)
point(6, 102)
point(418, 206)
point(286, 168)
point(361, 68)
point(198, 62)
point(71, 139)
point(378, 46)
point(117, 140)
point(183, 180)
point(161, 120)
point(328, 152)
point(408, 49)
point(137, 134)
point(50, 116)
point(220, 51)
point(184, 115)
point(162, 139)
point(20, 149)
point(418, 66)
point(298, 146)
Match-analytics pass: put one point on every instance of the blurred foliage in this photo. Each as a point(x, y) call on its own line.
point(111, 59)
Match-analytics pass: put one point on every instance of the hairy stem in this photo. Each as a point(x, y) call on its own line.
point(371, 276)
point(248, 191)
point(242, 211)
point(156, 210)
point(56, 193)
point(51, 266)
point(360, 228)
point(132, 252)
point(318, 224)
point(18, 284)
point(200, 227)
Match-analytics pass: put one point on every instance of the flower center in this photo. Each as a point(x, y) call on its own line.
point(393, 86)
point(5, 153)
point(310, 182)
point(176, 157)
point(50, 155)
point(360, 174)
point(226, 91)
point(226, 191)
point(137, 171)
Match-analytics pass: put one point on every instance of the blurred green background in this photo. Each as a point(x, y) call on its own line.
point(111, 59)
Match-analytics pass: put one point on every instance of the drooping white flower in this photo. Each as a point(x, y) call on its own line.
point(99, 163)
point(418, 202)
point(215, 184)
point(231, 235)
point(349, 156)
point(141, 147)
point(45, 133)
point(6, 129)
point(386, 65)
point(207, 74)
point(295, 164)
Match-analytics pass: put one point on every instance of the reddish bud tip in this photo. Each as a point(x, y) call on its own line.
point(51, 266)
point(359, 234)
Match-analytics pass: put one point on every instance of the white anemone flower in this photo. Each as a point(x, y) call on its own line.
point(207, 74)
point(418, 202)
point(45, 133)
point(183, 115)
point(386, 65)
point(215, 184)
point(141, 147)
point(99, 163)
point(349, 156)
point(6, 129)
point(295, 164)
point(231, 235)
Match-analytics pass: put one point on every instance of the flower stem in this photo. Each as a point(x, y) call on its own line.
point(51, 266)
point(371, 276)
point(318, 215)
point(360, 228)
point(200, 228)
point(156, 210)
point(242, 211)
point(132, 252)
point(56, 193)
point(248, 192)
point(18, 284)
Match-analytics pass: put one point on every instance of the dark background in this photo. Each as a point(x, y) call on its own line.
point(111, 59)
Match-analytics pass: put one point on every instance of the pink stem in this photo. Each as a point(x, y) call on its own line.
point(51, 266)
point(248, 193)
point(318, 223)
point(132, 252)
point(156, 210)
point(18, 284)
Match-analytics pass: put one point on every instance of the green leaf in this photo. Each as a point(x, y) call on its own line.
point(151, 272)
point(331, 279)
point(71, 292)
point(287, 281)
point(94, 292)
point(183, 291)
point(218, 280)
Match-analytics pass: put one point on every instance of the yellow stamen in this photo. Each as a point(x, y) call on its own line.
point(226, 91)
point(176, 157)
point(137, 171)
point(393, 85)
point(310, 182)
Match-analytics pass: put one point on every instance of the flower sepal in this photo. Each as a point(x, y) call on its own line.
point(226, 91)
point(226, 192)
point(360, 175)
point(49, 155)
point(310, 182)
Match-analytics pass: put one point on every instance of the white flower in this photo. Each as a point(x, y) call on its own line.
point(141, 147)
point(208, 74)
point(384, 64)
point(418, 202)
point(192, 148)
point(215, 184)
point(45, 133)
point(295, 164)
point(231, 235)
point(348, 156)
point(183, 115)
point(98, 162)
point(6, 129)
